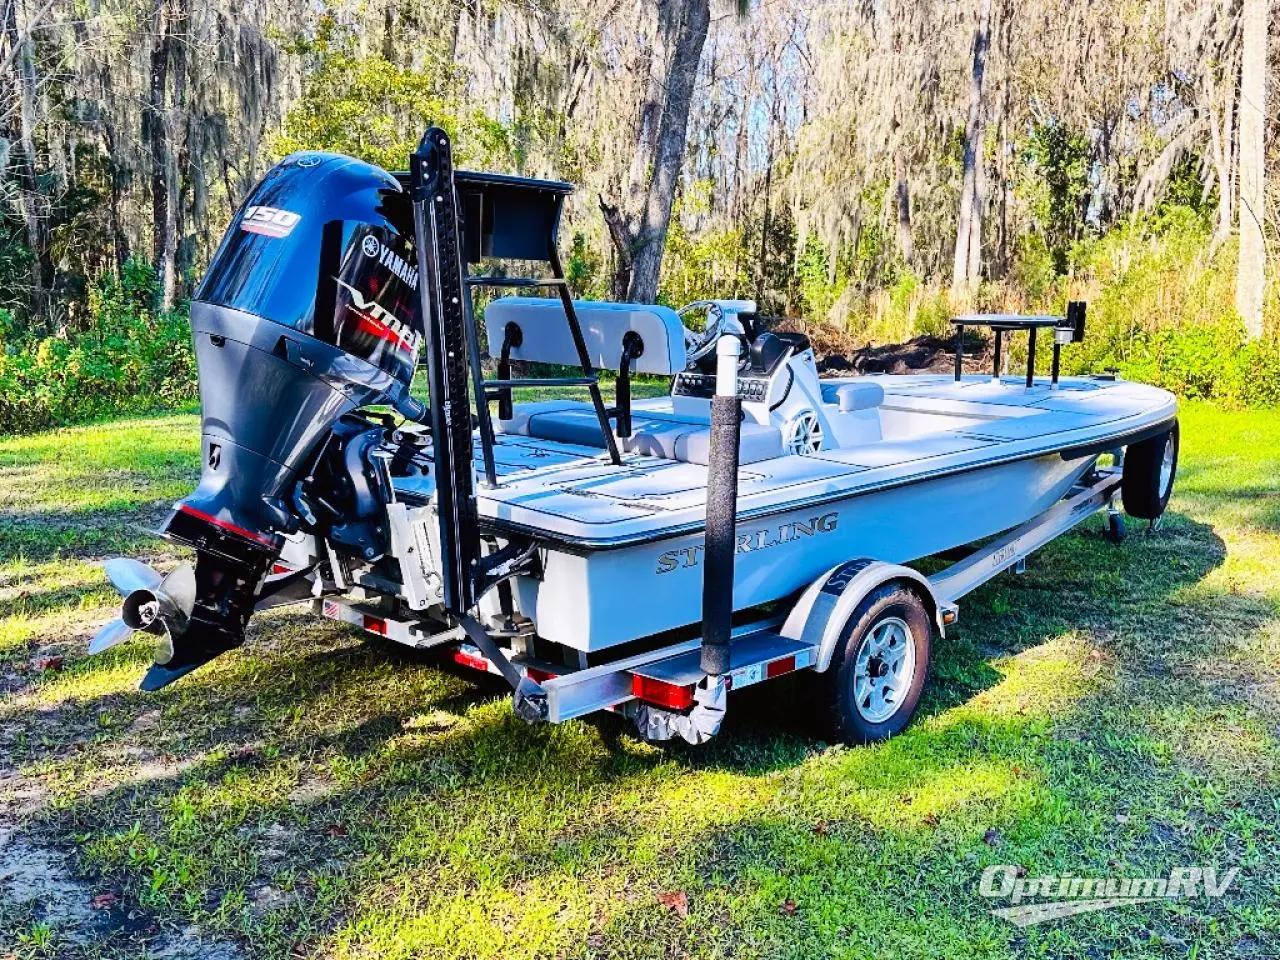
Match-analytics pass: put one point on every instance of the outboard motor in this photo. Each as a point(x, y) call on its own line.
point(309, 310)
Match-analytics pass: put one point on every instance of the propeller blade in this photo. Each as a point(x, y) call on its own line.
point(128, 575)
point(164, 649)
point(114, 632)
point(180, 587)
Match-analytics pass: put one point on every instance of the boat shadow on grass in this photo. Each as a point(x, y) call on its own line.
point(355, 776)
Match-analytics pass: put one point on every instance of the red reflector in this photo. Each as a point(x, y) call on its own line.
point(374, 625)
point(662, 694)
point(779, 667)
point(279, 568)
point(538, 676)
point(462, 658)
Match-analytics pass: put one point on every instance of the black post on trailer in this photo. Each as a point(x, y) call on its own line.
point(435, 223)
point(722, 512)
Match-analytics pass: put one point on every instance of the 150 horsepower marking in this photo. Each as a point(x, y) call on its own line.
point(753, 540)
point(269, 221)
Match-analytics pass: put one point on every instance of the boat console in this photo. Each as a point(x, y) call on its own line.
point(786, 408)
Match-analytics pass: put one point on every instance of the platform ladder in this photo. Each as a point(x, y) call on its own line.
point(518, 218)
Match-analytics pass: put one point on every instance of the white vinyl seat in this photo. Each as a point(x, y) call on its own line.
point(667, 437)
point(850, 397)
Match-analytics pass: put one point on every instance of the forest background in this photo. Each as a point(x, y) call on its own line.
point(865, 169)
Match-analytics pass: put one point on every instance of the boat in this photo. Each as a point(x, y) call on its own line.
point(643, 556)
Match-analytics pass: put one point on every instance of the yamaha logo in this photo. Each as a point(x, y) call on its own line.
point(371, 246)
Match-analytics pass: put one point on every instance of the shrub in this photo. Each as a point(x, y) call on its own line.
point(131, 357)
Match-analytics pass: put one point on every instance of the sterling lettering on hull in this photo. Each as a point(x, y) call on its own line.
point(753, 540)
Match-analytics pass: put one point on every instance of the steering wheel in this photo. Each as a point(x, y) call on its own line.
point(701, 345)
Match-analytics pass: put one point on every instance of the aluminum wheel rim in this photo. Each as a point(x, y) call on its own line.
point(1166, 467)
point(884, 669)
point(806, 434)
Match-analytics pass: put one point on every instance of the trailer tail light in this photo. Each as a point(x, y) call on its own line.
point(464, 658)
point(778, 667)
point(375, 625)
point(673, 696)
point(538, 676)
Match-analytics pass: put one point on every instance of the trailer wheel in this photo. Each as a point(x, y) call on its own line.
point(878, 671)
point(1149, 470)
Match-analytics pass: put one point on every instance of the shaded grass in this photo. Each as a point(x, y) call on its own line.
point(1112, 712)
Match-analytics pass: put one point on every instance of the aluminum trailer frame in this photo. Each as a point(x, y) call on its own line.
point(665, 680)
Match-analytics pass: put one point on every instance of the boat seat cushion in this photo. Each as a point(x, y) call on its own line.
point(545, 336)
point(853, 396)
point(665, 437)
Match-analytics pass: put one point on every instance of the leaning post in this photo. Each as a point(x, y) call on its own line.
point(722, 509)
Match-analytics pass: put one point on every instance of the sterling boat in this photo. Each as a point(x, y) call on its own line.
point(643, 556)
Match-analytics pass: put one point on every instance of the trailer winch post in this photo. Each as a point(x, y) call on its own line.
point(722, 509)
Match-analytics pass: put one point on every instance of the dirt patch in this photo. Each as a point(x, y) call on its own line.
point(35, 875)
point(923, 354)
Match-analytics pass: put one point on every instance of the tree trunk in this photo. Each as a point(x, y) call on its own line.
point(1006, 111)
point(967, 261)
point(1251, 271)
point(183, 189)
point(1221, 108)
point(766, 223)
point(651, 232)
point(33, 213)
point(902, 203)
point(660, 64)
point(155, 122)
point(623, 251)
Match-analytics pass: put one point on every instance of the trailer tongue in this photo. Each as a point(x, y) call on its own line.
point(644, 557)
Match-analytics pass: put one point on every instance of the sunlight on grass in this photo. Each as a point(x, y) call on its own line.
point(1113, 710)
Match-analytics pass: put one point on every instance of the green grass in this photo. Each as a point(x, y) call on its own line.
point(1112, 712)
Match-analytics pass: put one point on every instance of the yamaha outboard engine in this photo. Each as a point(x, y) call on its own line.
point(309, 310)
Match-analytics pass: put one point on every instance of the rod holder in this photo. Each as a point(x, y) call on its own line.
point(722, 510)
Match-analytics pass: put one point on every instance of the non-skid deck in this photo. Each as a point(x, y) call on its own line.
point(573, 493)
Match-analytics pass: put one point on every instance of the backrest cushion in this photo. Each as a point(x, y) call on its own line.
point(546, 337)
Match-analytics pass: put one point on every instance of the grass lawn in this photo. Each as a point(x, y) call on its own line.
point(1114, 712)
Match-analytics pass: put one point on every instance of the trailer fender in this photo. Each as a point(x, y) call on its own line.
point(820, 615)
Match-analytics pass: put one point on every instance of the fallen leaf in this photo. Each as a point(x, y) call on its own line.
point(931, 818)
point(788, 908)
point(102, 901)
point(992, 837)
point(336, 830)
point(49, 663)
point(821, 828)
point(677, 901)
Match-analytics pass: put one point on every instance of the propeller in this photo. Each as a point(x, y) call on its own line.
point(153, 603)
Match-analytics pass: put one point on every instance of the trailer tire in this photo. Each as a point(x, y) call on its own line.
point(890, 619)
point(1149, 470)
